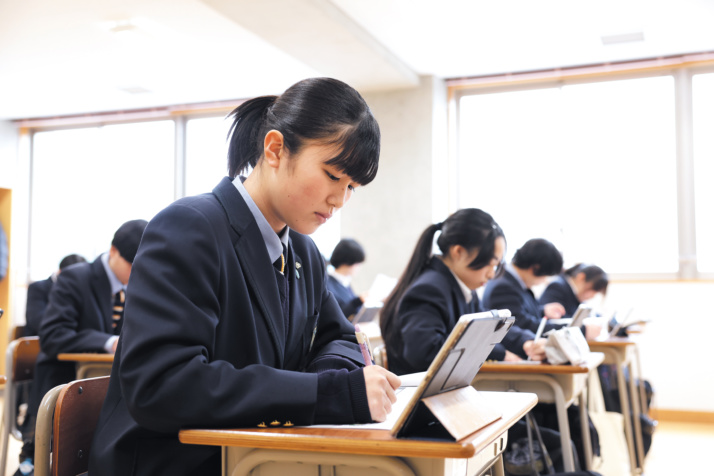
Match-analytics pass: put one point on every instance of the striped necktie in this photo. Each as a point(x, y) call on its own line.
point(118, 312)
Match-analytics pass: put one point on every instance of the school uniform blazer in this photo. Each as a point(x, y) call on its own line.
point(559, 290)
point(349, 302)
point(204, 342)
point(426, 314)
point(505, 292)
point(38, 295)
point(78, 318)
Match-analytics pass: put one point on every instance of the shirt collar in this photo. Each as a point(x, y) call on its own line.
point(468, 293)
point(571, 282)
point(273, 242)
point(114, 282)
point(341, 278)
point(511, 269)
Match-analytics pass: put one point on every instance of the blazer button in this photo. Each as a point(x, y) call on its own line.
point(275, 423)
point(262, 425)
point(288, 423)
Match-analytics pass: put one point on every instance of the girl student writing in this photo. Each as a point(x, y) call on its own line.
point(575, 285)
point(228, 322)
point(434, 291)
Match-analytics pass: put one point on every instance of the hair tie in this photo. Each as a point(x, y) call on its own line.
point(440, 225)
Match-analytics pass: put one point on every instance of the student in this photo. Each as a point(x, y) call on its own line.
point(531, 265)
point(574, 286)
point(228, 319)
point(83, 315)
point(434, 291)
point(346, 259)
point(38, 295)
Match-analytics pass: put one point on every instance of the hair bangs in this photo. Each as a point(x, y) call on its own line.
point(359, 157)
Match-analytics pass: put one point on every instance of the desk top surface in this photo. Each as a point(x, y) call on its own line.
point(594, 359)
point(86, 357)
point(374, 442)
point(612, 342)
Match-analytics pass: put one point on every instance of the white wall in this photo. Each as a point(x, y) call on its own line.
point(388, 215)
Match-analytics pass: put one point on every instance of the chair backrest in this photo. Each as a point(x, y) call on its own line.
point(17, 332)
point(379, 353)
point(76, 415)
point(24, 355)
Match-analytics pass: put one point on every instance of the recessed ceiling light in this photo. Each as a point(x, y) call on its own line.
point(622, 38)
point(121, 27)
point(134, 90)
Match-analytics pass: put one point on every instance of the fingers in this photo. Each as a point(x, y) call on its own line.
point(380, 384)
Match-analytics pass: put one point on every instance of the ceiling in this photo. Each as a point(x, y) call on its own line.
point(66, 57)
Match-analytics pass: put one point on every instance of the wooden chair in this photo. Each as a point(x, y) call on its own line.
point(17, 332)
point(20, 361)
point(379, 353)
point(68, 435)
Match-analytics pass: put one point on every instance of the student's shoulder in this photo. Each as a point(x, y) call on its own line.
point(558, 282)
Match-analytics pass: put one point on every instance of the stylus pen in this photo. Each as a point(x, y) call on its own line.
point(363, 345)
point(539, 332)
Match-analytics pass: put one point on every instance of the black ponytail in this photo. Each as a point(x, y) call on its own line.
point(469, 227)
point(244, 147)
point(320, 109)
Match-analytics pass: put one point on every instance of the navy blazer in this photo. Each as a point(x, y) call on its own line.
point(78, 318)
point(38, 296)
point(506, 292)
point(204, 342)
point(347, 299)
point(426, 314)
point(559, 290)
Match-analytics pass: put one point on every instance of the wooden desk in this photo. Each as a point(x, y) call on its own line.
point(305, 449)
point(558, 384)
point(90, 365)
point(622, 353)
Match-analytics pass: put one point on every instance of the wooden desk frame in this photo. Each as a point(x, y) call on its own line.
point(245, 449)
point(558, 384)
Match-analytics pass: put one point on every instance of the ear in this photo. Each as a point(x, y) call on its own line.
point(457, 252)
point(273, 147)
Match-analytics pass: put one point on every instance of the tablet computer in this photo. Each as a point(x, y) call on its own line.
point(452, 370)
point(581, 313)
point(367, 313)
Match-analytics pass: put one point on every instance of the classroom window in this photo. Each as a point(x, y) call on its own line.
point(703, 120)
point(591, 167)
point(206, 153)
point(86, 182)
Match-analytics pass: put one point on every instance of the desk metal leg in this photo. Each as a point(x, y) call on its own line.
point(636, 417)
point(641, 381)
point(625, 407)
point(585, 428)
point(497, 468)
point(507, 384)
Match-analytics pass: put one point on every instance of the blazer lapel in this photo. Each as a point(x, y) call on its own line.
point(102, 295)
point(254, 260)
point(298, 305)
